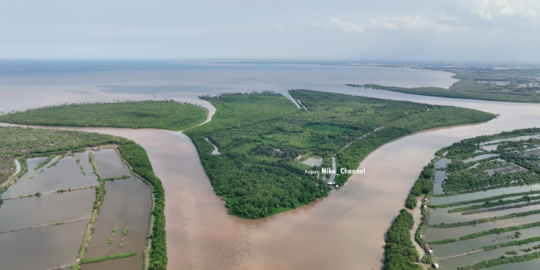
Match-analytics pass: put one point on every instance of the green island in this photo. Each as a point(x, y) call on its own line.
point(136, 114)
point(22, 144)
point(262, 139)
point(497, 164)
point(495, 85)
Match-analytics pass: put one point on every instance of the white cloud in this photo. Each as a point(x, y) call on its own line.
point(348, 25)
point(449, 18)
point(490, 9)
point(415, 23)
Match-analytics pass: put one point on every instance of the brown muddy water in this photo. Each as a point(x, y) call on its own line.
point(64, 175)
point(343, 231)
point(127, 203)
point(49, 208)
point(41, 248)
point(134, 262)
point(109, 164)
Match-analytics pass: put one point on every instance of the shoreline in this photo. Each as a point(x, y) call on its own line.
point(17, 170)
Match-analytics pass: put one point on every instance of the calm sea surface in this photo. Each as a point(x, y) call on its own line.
point(40, 83)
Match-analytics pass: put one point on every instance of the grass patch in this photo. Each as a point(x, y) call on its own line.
point(326, 128)
point(110, 257)
point(44, 162)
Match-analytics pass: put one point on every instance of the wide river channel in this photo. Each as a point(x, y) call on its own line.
point(343, 231)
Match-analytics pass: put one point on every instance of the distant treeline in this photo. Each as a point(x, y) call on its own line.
point(135, 114)
point(468, 88)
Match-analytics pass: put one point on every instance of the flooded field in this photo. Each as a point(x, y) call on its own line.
point(440, 176)
point(484, 256)
point(444, 250)
point(127, 204)
point(41, 248)
point(109, 164)
point(64, 175)
point(500, 211)
point(442, 163)
point(49, 228)
point(484, 194)
point(134, 262)
point(49, 208)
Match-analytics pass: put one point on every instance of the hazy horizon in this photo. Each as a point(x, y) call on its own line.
point(386, 30)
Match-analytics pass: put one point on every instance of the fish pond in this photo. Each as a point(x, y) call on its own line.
point(45, 213)
point(486, 204)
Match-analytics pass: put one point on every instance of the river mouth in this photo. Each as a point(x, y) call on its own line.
point(199, 228)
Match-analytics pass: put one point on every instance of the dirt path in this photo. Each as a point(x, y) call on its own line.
point(417, 216)
point(46, 225)
point(17, 170)
point(461, 255)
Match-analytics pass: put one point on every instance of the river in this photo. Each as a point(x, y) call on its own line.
point(343, 231)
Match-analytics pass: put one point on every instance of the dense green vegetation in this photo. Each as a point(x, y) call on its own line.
point(423, 185)
point(144, 114)
point(502, 260)
point(477, 85)
point(137, 158)
point(399, 251)
point(110, 257)
point(515, 167)
point(442, 241)
point(260, 135)
point(410, 202)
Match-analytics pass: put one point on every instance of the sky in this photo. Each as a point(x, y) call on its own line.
point(384, 30)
